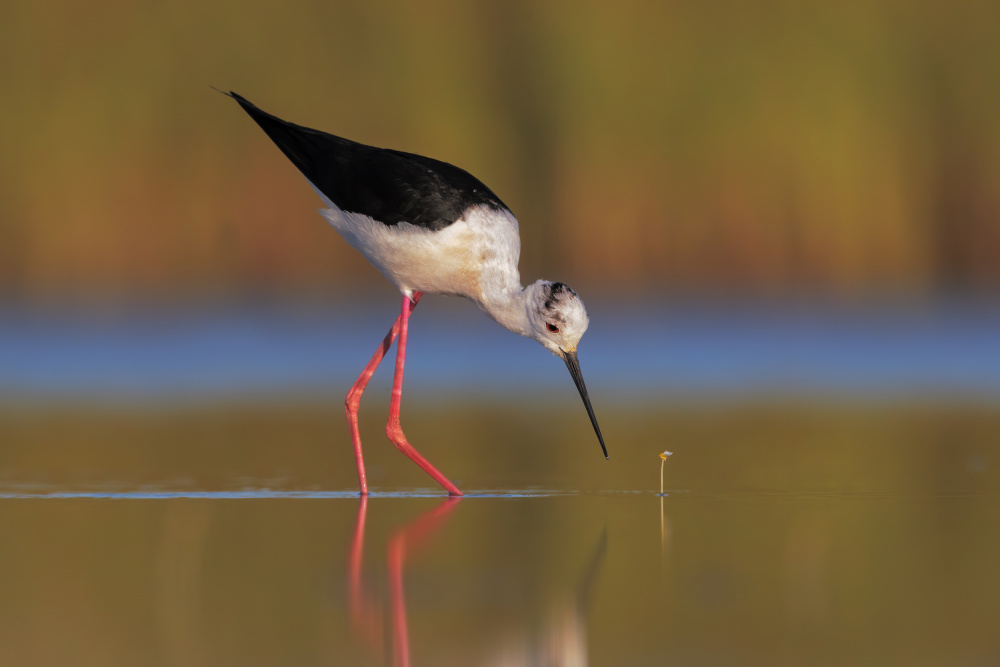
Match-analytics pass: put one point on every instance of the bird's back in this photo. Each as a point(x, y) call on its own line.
point(386, 185)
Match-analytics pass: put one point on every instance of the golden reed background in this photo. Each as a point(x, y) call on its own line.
point(843, 148)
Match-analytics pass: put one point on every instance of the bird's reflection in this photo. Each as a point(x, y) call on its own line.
point(560, 640)
point(364, 608)
point(365, 612)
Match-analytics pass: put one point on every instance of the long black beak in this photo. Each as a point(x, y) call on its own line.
point(574, 369)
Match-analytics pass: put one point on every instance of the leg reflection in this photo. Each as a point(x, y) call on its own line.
point(403, 541)
point(365, 610)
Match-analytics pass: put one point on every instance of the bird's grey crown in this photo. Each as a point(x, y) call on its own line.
point(554, 291)
point(387, 185)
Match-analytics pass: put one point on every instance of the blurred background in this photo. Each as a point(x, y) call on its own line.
point(784, 218)
point(769, 204)
point(847, 149)
point(775, 203)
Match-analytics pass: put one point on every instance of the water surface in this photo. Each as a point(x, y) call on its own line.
point(788, 535)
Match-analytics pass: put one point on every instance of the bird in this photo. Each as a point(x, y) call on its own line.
point(430, 228)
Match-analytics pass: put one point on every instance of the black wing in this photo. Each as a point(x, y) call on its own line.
point(386, 185)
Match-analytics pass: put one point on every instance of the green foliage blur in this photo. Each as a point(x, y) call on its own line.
point(776, 147)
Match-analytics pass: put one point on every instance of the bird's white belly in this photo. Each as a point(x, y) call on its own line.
point(473, 257)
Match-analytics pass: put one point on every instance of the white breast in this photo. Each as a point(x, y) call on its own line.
point(475, 256)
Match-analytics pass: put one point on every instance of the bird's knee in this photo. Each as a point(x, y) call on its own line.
point(394, 432)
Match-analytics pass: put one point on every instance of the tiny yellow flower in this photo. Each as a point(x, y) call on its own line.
point(665, 454)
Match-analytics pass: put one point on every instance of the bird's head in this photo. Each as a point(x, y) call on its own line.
point(558, 321)
point(557, 315)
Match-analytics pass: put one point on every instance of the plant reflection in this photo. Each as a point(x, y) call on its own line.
point(664, 530)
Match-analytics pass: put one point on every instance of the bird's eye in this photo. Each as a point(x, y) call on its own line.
point(551, 327)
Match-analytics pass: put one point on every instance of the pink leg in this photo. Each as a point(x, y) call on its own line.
point(353, 401)
point(392, 427)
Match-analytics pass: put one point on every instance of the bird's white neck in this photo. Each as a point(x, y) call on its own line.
point(509, 309)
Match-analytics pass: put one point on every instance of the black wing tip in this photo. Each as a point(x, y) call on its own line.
point(244, 102)
point(263, 118)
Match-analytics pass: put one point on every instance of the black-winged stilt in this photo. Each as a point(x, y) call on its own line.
point(428, 226)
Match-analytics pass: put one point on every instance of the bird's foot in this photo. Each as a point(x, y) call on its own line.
point(395, 433)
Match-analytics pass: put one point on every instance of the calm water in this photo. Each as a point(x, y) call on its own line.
point(219, 535)
point(529, 579)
